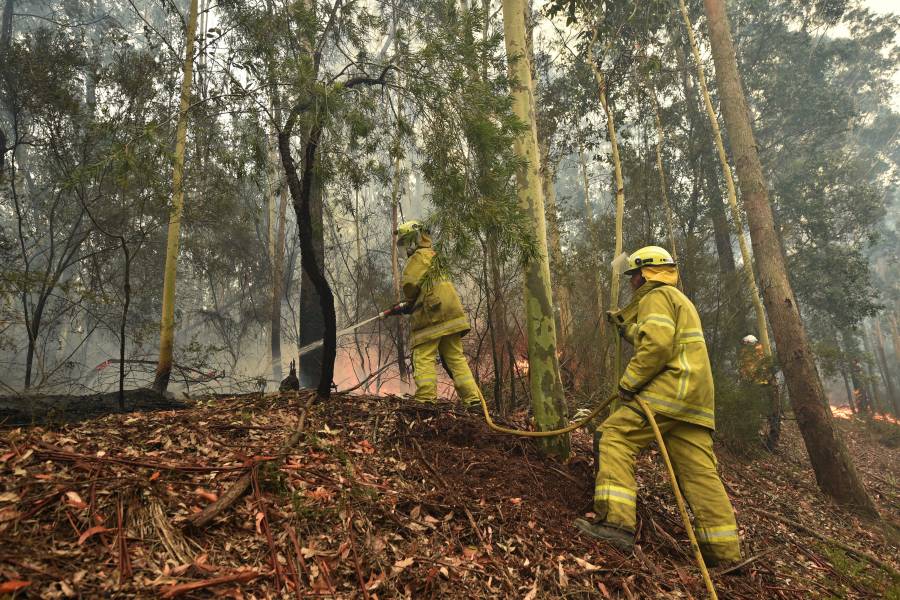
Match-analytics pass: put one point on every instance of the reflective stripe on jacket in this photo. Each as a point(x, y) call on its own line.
point(437, 309)
point(670, 368)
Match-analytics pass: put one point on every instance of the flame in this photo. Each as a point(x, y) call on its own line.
point(845, 412)
point(842, 412)
point(522, 366)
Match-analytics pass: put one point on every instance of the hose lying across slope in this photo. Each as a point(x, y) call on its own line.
point(679, 499)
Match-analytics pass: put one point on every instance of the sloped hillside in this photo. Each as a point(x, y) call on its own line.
point(384, 498)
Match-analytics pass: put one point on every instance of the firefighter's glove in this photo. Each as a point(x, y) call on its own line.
point(402, 308)
point(626, 395)
point(612, 316)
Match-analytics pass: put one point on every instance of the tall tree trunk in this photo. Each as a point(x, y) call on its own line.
point(276, 257)
point(834, 469)
point(395, 265)
point(895, 337)
point(557, 264)
point(312, 319)
point(126, 302)
point(887, 374)
point(774, 418)
point(871, 377)
point(499, 329)
point(167, 322)
point(547, 397)
point(663, 186)
point(320, 318)
point(721, 233)
point(615, 276)
point(278, 285)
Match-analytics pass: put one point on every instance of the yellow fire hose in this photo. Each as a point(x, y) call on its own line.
point(679, 499)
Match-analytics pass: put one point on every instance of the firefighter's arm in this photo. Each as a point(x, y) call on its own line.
point(413, 273)
point(654, 342)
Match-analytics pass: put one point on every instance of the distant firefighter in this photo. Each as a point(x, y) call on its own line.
point(437, 319)
point(290, 383)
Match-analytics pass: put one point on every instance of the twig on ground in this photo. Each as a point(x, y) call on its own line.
point(745, 562)
point(182, 588)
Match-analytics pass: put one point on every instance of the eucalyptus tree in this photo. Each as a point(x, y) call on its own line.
point(835, 471)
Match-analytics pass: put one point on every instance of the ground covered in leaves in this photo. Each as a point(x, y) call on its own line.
point(383, 498)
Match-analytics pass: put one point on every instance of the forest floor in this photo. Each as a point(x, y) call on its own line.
point(61, 409)
point(384, 498)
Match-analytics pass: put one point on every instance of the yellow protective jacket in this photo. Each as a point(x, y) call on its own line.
point(437, 309)
point(670, 368)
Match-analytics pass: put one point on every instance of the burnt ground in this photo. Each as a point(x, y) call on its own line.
point(383, 498)
point(59, 409)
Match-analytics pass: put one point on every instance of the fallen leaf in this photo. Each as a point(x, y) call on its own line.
point(260, 515)
point(8, 587)
point(532, 593)
point(206, 495)
point(75, 500)
point(8, 514)
point(320, 494)
point(92, 532)
point(402, 564)
point(9, 497)
point(364, 447)
point(563, 579)
point(155, 476)
point(515, 501)
point(7, 456)
point(586, 565)
point(375, 581)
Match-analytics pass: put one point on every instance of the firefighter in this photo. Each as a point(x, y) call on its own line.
point(437, 319)
point(670, 371)
point(753, 367)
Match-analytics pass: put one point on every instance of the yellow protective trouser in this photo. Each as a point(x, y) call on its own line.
point(425, 373)
point(690, 448)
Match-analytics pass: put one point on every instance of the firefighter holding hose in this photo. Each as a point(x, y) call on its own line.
point(670, 372)
point(437, 319)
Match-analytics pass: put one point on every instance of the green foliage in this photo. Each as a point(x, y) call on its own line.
point(863, 574)
point(740, 412)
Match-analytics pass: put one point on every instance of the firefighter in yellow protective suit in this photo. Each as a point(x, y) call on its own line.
point(670, 371)
point(437, 319)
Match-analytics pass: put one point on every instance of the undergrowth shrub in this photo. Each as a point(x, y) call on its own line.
point(741, 410)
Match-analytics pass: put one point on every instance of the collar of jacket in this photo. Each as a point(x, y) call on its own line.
point(628, 314)
point(424, 241)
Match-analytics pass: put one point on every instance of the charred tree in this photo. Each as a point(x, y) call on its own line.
point(302, 188)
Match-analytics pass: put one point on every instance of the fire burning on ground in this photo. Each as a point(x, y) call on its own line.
point(845, 412)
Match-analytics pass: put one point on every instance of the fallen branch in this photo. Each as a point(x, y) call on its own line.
point(846, 547)
point(744, 563)
point(237, 489)
point(172, 591)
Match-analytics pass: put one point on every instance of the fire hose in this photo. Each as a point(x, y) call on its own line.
point(679, 499)
point(406, 308)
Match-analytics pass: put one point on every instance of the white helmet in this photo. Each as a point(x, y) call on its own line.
point(750, 340)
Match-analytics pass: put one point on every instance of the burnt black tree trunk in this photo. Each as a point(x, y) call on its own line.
point(309, 224)
point(301, 188)
point(312, 319)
